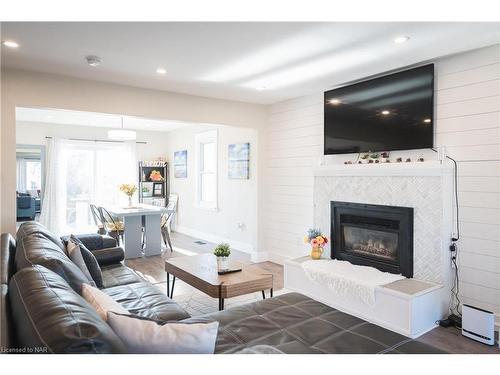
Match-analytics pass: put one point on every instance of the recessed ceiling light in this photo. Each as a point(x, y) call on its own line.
point(10, 44)
point(427, 120)
point(161, 71)
point(334, 101)
point(93, 60)
point(385, 112)
point(261, 88)
point(401, 39)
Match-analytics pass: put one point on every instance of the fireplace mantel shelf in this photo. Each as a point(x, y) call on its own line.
point(428, 168)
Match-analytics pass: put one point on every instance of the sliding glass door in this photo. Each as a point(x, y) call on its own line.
point(84, 173)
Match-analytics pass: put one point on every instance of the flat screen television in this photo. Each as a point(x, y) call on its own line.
point(388, 113)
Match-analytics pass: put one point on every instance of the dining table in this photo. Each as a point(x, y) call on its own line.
point(133, 224)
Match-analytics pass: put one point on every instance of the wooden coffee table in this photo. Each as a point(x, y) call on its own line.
point(200, 271)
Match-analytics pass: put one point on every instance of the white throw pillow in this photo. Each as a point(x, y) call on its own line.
point(148, 337)
point(101, 302)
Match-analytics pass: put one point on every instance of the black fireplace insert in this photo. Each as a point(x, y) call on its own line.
point(373, 235)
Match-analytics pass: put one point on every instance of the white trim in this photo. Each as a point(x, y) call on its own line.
point(237, 245)
point(429, 168)
point(210, 136)
point(260, 256)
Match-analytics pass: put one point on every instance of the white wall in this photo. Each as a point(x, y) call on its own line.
point(32, 89)
point(467, 123)
point(34, 133)
point(237, 199)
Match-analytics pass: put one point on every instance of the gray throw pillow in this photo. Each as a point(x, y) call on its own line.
point(75, 254)
point(91, 262)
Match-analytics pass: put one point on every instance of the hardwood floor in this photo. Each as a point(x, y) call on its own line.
point(152, 268)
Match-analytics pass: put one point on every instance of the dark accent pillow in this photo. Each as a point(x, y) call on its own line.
point(91, 262)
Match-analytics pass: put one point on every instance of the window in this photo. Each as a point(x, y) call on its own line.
point(29, 174)
point(206, 170)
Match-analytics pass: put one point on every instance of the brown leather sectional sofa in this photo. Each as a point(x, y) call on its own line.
point(42, 311)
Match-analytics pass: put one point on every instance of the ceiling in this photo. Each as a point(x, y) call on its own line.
point(99, 120)
point(235, 60)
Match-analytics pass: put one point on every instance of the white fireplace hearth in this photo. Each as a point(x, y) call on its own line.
point(411, 306)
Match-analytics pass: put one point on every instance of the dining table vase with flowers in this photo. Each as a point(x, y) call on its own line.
point(317, 242)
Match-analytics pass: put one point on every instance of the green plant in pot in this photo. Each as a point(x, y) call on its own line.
point(222, 252)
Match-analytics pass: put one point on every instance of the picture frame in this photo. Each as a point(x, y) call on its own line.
point(180, 164)
point(158, 189)
point(239, 161)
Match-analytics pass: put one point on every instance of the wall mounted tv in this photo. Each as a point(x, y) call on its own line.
point(388, 113)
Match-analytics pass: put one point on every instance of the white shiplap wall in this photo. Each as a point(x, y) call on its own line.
point(467, 123)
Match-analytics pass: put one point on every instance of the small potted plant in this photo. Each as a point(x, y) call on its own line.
point(129, 191)
point(317, 241)
point(222, 252)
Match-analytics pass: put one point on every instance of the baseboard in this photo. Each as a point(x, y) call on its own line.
point(279, 258)
point(237, 245)
point(260, 256)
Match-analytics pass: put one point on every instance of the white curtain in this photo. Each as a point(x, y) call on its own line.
point(53, 210)
point(84, 173)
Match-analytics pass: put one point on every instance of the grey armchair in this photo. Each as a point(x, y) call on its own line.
point(25, 207)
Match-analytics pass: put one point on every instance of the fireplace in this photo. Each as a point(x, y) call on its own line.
point(373, 235)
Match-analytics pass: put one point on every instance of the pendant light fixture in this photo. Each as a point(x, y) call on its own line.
point(122, 134)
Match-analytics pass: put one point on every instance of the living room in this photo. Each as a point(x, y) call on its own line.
point(132, 174)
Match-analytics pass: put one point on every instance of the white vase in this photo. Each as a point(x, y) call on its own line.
point(130, 201)
point(222, 263)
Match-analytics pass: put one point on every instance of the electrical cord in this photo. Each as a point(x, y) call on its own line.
point(455, 290)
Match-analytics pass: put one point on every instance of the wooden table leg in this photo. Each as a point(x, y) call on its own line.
point(271, 292)
point(263, 295)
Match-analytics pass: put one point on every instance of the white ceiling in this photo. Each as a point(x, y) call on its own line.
point(233, 60)
point(99, 120)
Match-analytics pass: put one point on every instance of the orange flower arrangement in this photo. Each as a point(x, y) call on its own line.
point(317, 241)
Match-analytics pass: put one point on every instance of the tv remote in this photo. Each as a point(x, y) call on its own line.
point(228, 271)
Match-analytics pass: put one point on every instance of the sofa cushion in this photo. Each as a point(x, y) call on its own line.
point(118, 274)
point(65, 324)
point(32, 227)
point(37, 249)
point(294, 323)
point(147, 300)
point(109, 256)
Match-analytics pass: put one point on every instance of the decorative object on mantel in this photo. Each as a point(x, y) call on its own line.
point(408, 160)
point(129, 190)
point(317, 241)
point(222, 252)
point(421, 158)
point(399, 160)
point(180, 164)
point(384, 157)
point(239, 161)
